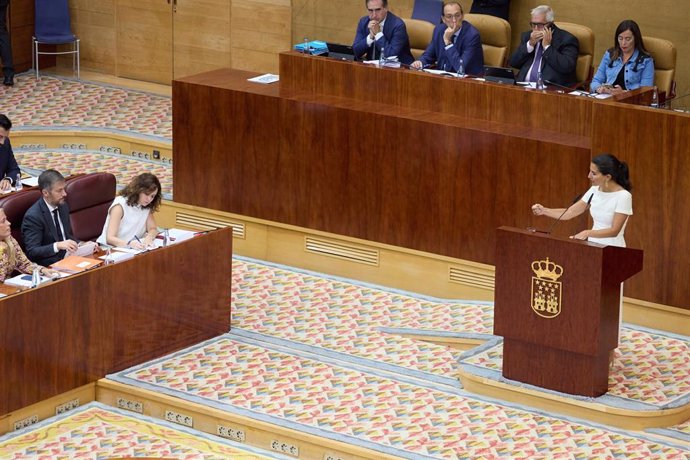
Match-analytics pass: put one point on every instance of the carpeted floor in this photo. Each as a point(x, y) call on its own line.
point(307, 352)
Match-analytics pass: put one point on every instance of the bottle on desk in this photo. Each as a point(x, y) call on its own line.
point(18, 182)
point(461, 69)
point(655, 97)
point(540, 82)
point(36, 277)
point(382, 57)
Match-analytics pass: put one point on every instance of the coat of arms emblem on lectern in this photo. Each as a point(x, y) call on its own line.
point(546, 289)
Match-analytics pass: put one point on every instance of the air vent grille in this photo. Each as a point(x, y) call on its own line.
point(206, 223)
point(471, 278)
point(342, 251)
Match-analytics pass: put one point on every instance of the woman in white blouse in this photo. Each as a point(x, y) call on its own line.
point(130, 221)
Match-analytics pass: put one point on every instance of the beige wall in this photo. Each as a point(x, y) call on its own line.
point(94, 23)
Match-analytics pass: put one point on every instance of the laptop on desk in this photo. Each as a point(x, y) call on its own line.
point(499, 75)
point(343, 52)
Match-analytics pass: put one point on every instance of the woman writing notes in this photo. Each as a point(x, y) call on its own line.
point(627, 65)
point(130, 221)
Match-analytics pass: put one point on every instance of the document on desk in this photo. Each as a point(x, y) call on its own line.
point(85, 249)
point(265, 78)
point(30, 181)
point(117, 256)
point(75, 264)
point(24, 280)
point(175, 235)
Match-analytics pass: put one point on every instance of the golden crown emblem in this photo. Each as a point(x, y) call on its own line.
point(546, 269)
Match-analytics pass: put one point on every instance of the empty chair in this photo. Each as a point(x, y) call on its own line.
point(89, 196)
point(664, 54)
point(495, 35)
point(52, 27)
point(420, 33)
point(585, 36)
point(428, 10)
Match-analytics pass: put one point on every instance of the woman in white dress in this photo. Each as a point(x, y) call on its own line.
point(130, 221)
point(610, 202)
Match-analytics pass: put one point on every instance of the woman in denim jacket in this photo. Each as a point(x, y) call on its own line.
point(627, 65)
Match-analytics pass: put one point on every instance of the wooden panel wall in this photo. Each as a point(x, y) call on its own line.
point(94, 23)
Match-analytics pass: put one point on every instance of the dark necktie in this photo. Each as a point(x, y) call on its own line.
point(537, 63)
point(57, 225)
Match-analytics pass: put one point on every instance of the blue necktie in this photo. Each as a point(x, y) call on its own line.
point(537, 63)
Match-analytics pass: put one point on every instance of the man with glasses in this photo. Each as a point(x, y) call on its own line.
point(548, 49)
point(454, 41)
point(381, 30)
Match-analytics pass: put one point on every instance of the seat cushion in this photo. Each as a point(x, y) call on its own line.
point(15, 206)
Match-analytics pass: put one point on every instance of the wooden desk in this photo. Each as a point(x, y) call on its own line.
point(426, 162)
point(67, 333)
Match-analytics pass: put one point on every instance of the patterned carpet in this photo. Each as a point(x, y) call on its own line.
point(81, 161)
point(95, 431)
point(58, 103)
point(308, 352)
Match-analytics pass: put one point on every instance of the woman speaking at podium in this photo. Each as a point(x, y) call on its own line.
point(609, 202)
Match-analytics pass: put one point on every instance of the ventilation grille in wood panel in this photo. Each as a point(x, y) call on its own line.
point(341, 250)
point(471, 278)
point(205, 223)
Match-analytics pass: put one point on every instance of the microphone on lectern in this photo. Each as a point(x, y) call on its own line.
point(566, 210)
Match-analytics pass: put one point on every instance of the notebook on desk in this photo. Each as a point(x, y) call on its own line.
point(75, 264)
point(343, 52)
point(499, 75)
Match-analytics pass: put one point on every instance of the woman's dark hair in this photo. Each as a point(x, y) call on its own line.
point(616, 51)
point(609, 164)
point(146, 183)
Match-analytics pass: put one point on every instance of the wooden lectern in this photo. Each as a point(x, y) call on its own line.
point(557, 307)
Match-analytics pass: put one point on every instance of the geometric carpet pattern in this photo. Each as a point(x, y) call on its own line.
point(347, 317)
point(70, 162)
point(96, 431)
point(344, 317)
point(383, 412)
point(650, 368)
point(58, 103)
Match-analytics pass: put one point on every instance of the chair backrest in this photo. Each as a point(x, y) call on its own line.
point(52, 22)
point(495, 36)
point(664, 54)
point(89, 196)
point(420, 34)
point(585, 36)
point(15, 206)
point(428, 10)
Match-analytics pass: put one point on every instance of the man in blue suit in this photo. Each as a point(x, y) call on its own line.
point(453, 40)
point(381, 30)
point(9, 170)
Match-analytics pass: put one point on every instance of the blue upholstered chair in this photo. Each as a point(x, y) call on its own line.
point(52, 27)
point(428, 10)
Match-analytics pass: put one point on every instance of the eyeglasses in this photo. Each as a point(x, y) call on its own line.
point(539, 25)
point(450, 17)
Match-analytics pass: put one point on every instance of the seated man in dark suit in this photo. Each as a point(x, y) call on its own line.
point(46, 228)
point(548, 49)
point(9, 170)
point(381, 30)
point(453, 40)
